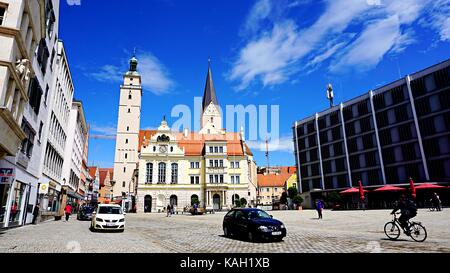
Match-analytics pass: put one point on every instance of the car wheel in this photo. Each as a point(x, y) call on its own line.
point(226, 232)
point(251, 236)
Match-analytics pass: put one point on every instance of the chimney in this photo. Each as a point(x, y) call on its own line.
point(186, 132)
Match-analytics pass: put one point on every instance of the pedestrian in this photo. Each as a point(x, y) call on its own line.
point(319, 208)
point(437, 202)
point(68, 211)
point(13, 212)
point(168, 210)
point(36, 213)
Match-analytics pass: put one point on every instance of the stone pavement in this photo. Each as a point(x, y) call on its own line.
point(338, 232)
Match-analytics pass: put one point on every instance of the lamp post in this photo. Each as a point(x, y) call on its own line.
point(330, 95)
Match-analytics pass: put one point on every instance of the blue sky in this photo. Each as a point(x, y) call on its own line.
point(264, 52)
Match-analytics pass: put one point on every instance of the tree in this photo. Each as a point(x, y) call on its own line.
point(283, 199)
point(292, 192)
point(334, 197)
point(194, 200)
point(243, 202)
point(298, 200)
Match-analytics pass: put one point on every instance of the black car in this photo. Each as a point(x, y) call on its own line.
point(85, 213)
point(253, 224)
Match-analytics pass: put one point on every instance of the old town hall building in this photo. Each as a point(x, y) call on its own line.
point(211, 167)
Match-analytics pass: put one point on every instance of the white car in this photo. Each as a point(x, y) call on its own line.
point(108, 217)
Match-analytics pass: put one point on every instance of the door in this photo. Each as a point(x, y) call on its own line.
point(216, 202)
point(240, 223)
point(147, 204)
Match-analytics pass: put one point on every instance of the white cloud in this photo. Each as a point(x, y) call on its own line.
point(439, 19)
point(283, 144)
point(260, 11)
point(349, 34)
point(103, 132)
point(367, 51)
point(155, 76)
point(108, 73)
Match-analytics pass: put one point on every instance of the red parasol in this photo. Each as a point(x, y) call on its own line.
point(361, 192)
point(389, 188)
point(349, 191)
point(412, 188)
point(428, 186)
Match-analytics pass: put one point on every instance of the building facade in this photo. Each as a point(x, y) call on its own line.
point(384, 137)
point(74, 152)
point(28, 29)
point(105, 194)
point(128, 127)
point(57, 126)
point(210, 167)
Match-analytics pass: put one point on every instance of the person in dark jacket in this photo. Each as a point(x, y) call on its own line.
point(408, 210)
point(36, 213)
point(319, 208)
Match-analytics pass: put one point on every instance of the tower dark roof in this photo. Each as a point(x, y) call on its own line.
point(210, 91)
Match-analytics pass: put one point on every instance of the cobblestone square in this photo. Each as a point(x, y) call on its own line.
point(338, 232)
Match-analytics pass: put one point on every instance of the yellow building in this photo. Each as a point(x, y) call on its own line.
point(212, 167)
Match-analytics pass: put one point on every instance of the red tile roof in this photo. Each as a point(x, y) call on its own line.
point(92, 171)
point(103, 173)
point(194, 143)
point(272, 180)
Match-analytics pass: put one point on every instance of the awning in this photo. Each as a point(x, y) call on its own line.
point(73, 194)
point(389, 189)
point(351, 190)
point(428, 186)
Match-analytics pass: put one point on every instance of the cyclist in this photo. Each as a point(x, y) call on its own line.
point(408, 211)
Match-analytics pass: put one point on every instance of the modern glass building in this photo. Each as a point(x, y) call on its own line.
point(383, 137)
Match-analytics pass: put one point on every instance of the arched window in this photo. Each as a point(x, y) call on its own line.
point(162, 173)
point(129, 96)
point(154, 148)
point(171, 149)
point(149, 177)
point(174, 173)
point(129, 110)
point(126, 156)
point(126, 141)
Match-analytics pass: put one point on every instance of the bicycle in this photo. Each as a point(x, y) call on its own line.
point(417, 231)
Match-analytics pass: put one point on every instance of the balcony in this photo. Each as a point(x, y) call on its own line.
point(11, 135)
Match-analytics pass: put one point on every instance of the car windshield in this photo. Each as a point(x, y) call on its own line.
point(258, 214)
point(110, 210)
point(88, 209)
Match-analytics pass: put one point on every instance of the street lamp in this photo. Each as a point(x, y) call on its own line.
point(330, 95)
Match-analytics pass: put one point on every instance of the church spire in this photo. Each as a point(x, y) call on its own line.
point(210, 92)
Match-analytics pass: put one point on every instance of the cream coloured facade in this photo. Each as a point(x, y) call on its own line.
point(22, 26)
point(128, 127)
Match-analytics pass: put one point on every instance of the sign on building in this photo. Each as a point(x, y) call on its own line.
point(43, 188)
point(6, 176)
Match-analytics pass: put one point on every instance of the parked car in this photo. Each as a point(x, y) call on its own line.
point(85, 213)
point(253, 224)
point(108, 217)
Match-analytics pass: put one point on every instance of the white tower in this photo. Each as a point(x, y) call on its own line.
point(128, 127)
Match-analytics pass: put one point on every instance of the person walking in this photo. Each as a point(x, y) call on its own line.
point(68, 211)
point(319, 207)
point(36, 213)
point(168, 210)
point(437, 202)
point(13, 211)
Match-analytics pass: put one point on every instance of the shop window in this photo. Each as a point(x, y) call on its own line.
point(35, 95)
point(28, 142)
